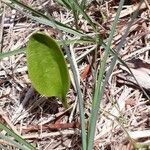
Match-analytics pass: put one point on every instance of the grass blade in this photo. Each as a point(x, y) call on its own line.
point(64, 3)
point(80, 97)
point(99, 87)
point(8, 54)
point(78, 7)
point(115, 52)
point(121, 44)
point(67, 42)
point(39, 17)
point(11, 141)
point(17, 137)
point(83, 4)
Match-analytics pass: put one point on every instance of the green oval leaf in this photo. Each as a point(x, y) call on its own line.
point(47, 67)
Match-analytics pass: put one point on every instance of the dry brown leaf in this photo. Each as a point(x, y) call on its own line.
point(141, 71)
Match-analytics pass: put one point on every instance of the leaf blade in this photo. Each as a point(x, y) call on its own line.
point(47, 67)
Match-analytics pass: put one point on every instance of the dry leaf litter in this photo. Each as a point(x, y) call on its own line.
point(125, 109)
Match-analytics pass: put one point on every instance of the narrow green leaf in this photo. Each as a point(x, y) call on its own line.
point(47, 67)
point(10, 53)
point(41, 18)
point(17, 137)
point(99, 88)
point(64, 3)
point(79, 9)
point(23, 50)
